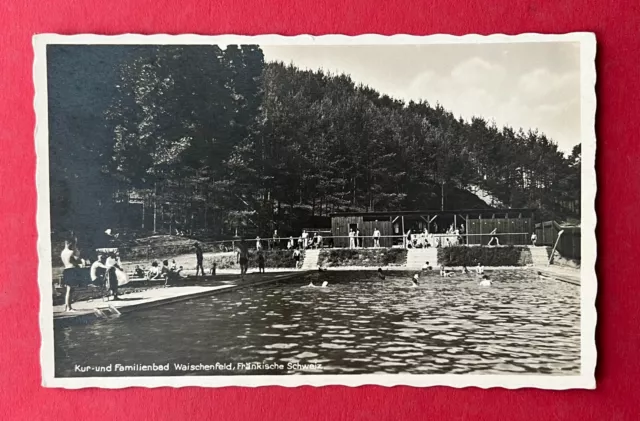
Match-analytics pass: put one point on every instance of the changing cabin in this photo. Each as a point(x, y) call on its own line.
point(514, 226)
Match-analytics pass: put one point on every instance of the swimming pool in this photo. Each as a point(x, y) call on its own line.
point(359, 324)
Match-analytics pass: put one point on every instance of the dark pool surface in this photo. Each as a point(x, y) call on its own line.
point(359, 324)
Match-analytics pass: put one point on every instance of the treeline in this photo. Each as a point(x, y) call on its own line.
point(218, 139)
point(323, 141)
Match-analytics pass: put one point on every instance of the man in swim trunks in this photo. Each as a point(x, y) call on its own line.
point(98, 270)
point(376, 238)
point(199, 260)
point(296, 257)
point(71, 276)
point(243, 257)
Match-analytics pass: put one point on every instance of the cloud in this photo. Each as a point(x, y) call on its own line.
point(543, 85)
point(524, 90)
point(478, 72)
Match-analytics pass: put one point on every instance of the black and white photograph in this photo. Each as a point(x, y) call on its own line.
point(316, 210)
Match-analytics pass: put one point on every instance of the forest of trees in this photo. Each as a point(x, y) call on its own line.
point(218, 139)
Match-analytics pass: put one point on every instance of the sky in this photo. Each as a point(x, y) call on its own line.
point(522, 85)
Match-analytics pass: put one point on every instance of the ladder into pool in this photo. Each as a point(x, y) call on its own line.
point(107, 312)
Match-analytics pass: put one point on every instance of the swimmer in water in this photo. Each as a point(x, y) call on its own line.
point(444, 272)
point(325, 284)
point(414, 280)
point(465, 270)
point(380, 274)
point(479, 269)
point(486, 282)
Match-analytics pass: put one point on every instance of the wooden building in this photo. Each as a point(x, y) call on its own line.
point(569, 243)
point(514, 226)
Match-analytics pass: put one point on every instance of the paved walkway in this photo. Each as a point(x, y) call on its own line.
point(561, 273)
point(160, 295)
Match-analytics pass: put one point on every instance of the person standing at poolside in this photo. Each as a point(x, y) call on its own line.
point(199, 260)
point(305, 239)
point(534, 239)
point(70, 276)
point(358, 238)
point(290, 243)
point(112, 266)
point(376, 238)
point(296, 257)
point(260, 262)
point(352, 243)
point(243, 257)
point(258, 244)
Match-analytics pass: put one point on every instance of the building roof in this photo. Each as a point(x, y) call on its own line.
point(434, 212)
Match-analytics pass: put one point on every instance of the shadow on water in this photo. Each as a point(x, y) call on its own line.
point(358, 324)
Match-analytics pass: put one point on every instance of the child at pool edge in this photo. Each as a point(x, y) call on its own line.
point(213, 268)
point(380, 274)
point(138, 272)
point(426, 267)
point(479, 269)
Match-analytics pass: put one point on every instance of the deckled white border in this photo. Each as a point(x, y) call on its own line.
point(586, 380)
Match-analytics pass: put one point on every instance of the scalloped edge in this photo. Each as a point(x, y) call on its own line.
point(586, 380)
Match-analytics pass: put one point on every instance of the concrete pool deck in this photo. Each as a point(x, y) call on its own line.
point(560, 273)
point(89, 310)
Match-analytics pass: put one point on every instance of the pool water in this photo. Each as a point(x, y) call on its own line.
point(358, 324)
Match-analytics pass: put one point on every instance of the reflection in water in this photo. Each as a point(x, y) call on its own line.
point(359, 324)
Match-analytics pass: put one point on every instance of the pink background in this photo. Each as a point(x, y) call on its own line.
point(615, 23)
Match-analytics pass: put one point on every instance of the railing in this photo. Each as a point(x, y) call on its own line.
point(369, 242)
point(330, 241)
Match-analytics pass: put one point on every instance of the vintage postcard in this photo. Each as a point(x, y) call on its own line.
point(332, 210)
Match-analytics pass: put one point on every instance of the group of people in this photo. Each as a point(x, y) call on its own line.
point(169, 272)
point(411, 240)
point(103, 272)
point(242, 257)
point(306, 241)
point(445, 273)
point(451, 237)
